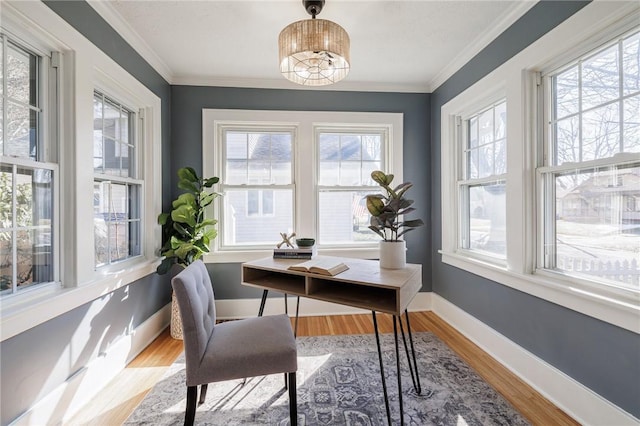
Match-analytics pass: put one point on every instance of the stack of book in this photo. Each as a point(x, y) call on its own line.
point(294, 253)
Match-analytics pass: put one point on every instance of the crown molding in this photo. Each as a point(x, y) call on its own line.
point(113, 18)
point(266, 83)
point(514, 12)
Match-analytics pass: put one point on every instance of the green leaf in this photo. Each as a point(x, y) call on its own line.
point(413, 223)
point(380, 177)
point(184, 199)
point(162, 218)
point(375, 205)
point(187, 186)
point(184, 214)
point(208, 183)
point(188, 174)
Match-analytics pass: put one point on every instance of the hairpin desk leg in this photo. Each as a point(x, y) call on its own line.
point(384, 382)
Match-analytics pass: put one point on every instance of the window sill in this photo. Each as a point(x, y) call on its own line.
point(23, 312)
point(615, 306)
point(249, 255)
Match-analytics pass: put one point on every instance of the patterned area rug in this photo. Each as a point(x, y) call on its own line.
point(339, 384)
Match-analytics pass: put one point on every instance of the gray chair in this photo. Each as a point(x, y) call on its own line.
point(229, 350)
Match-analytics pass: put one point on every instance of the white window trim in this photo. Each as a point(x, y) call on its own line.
point(305, 160)
point(82, 67)
point(518, 78)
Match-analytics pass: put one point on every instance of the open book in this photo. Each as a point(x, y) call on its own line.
point(320, 266)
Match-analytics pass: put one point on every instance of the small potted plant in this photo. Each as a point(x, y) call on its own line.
point(386, 210)
point(185, 230)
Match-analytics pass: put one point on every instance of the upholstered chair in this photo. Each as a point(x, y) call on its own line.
point(229, 350)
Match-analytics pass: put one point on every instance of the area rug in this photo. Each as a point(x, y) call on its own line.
point(339, 383)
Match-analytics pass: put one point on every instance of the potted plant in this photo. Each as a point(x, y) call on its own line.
point(185, 230)
point(386, 210)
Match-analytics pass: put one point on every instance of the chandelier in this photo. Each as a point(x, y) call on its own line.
point(314, 52)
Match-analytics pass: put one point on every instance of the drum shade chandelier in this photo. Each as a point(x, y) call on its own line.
point(314, 52)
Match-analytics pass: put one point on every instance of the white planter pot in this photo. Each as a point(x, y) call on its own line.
point(393, 254)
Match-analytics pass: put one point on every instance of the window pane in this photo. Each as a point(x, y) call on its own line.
point(567, 141)
point(32, 226)
point(258, 158)
point(20, 74)
point(116, 222)
point(485, 127)
point(631, 63)
point(240, 228)
point(601, 133)
point(487, 219)
point(21, 131)
point(236, 146)
point(344, 218)
point(500, 112)
point(111, 120)
point(567, 99)
point(110, 157)
point(6, 262)
point(329, 146)
point(6, 196)
point(350, 149)
point(348, 159)
point(236, 173)
point(598, 224)
point(631, 139)
point(473, 132)
point(600, 78)
point(329, 173)
point(485, 161)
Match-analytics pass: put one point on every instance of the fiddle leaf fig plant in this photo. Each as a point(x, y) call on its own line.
point(386, 209)
point(185, 230)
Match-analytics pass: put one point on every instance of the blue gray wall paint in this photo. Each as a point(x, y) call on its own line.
point(35, 362)
point(186, 150)
point(599, 355)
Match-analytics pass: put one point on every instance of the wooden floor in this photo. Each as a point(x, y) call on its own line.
point(127, 390)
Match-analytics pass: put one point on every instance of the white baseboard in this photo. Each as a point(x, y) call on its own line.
point(572, 397)
point(62, 403)
point(246, 308)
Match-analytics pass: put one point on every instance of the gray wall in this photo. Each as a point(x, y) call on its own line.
point(186, 127)
point(601, 356)
point(35, 362)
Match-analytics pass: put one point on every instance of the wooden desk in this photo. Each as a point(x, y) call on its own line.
point(364, 285)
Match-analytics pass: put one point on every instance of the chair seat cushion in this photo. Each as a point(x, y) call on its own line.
point(247, 348)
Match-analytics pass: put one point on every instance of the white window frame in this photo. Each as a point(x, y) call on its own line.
point(48, 78)
point(82, 68)
point(519, 79)
point(382, 129)
point(305, 166)
point(464, 182)
point(135, 181)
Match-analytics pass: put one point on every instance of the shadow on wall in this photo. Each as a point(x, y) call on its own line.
point(38, 361)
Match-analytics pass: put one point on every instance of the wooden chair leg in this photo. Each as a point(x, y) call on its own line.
point(203, 394)
point(190, 412)
point(293, 400)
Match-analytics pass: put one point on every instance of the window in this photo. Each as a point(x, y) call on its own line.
point(346, 158)
point(257, 180)
point(27, 169)
point(117, 191)
point(591, 173)
point(302, 172)
point(568, 173)
point(482, 185)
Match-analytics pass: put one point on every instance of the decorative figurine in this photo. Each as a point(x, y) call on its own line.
point(286, 240)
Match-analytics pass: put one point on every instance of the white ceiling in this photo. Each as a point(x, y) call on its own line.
point(405, 46)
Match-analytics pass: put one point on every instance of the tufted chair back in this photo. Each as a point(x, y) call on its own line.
point(194, 293)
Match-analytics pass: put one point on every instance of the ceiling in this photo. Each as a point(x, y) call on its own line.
point(404, 46)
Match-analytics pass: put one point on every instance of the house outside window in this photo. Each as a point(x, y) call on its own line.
point(117, 189)
point(28, 169)
point(591, 172)
point(481, 188)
